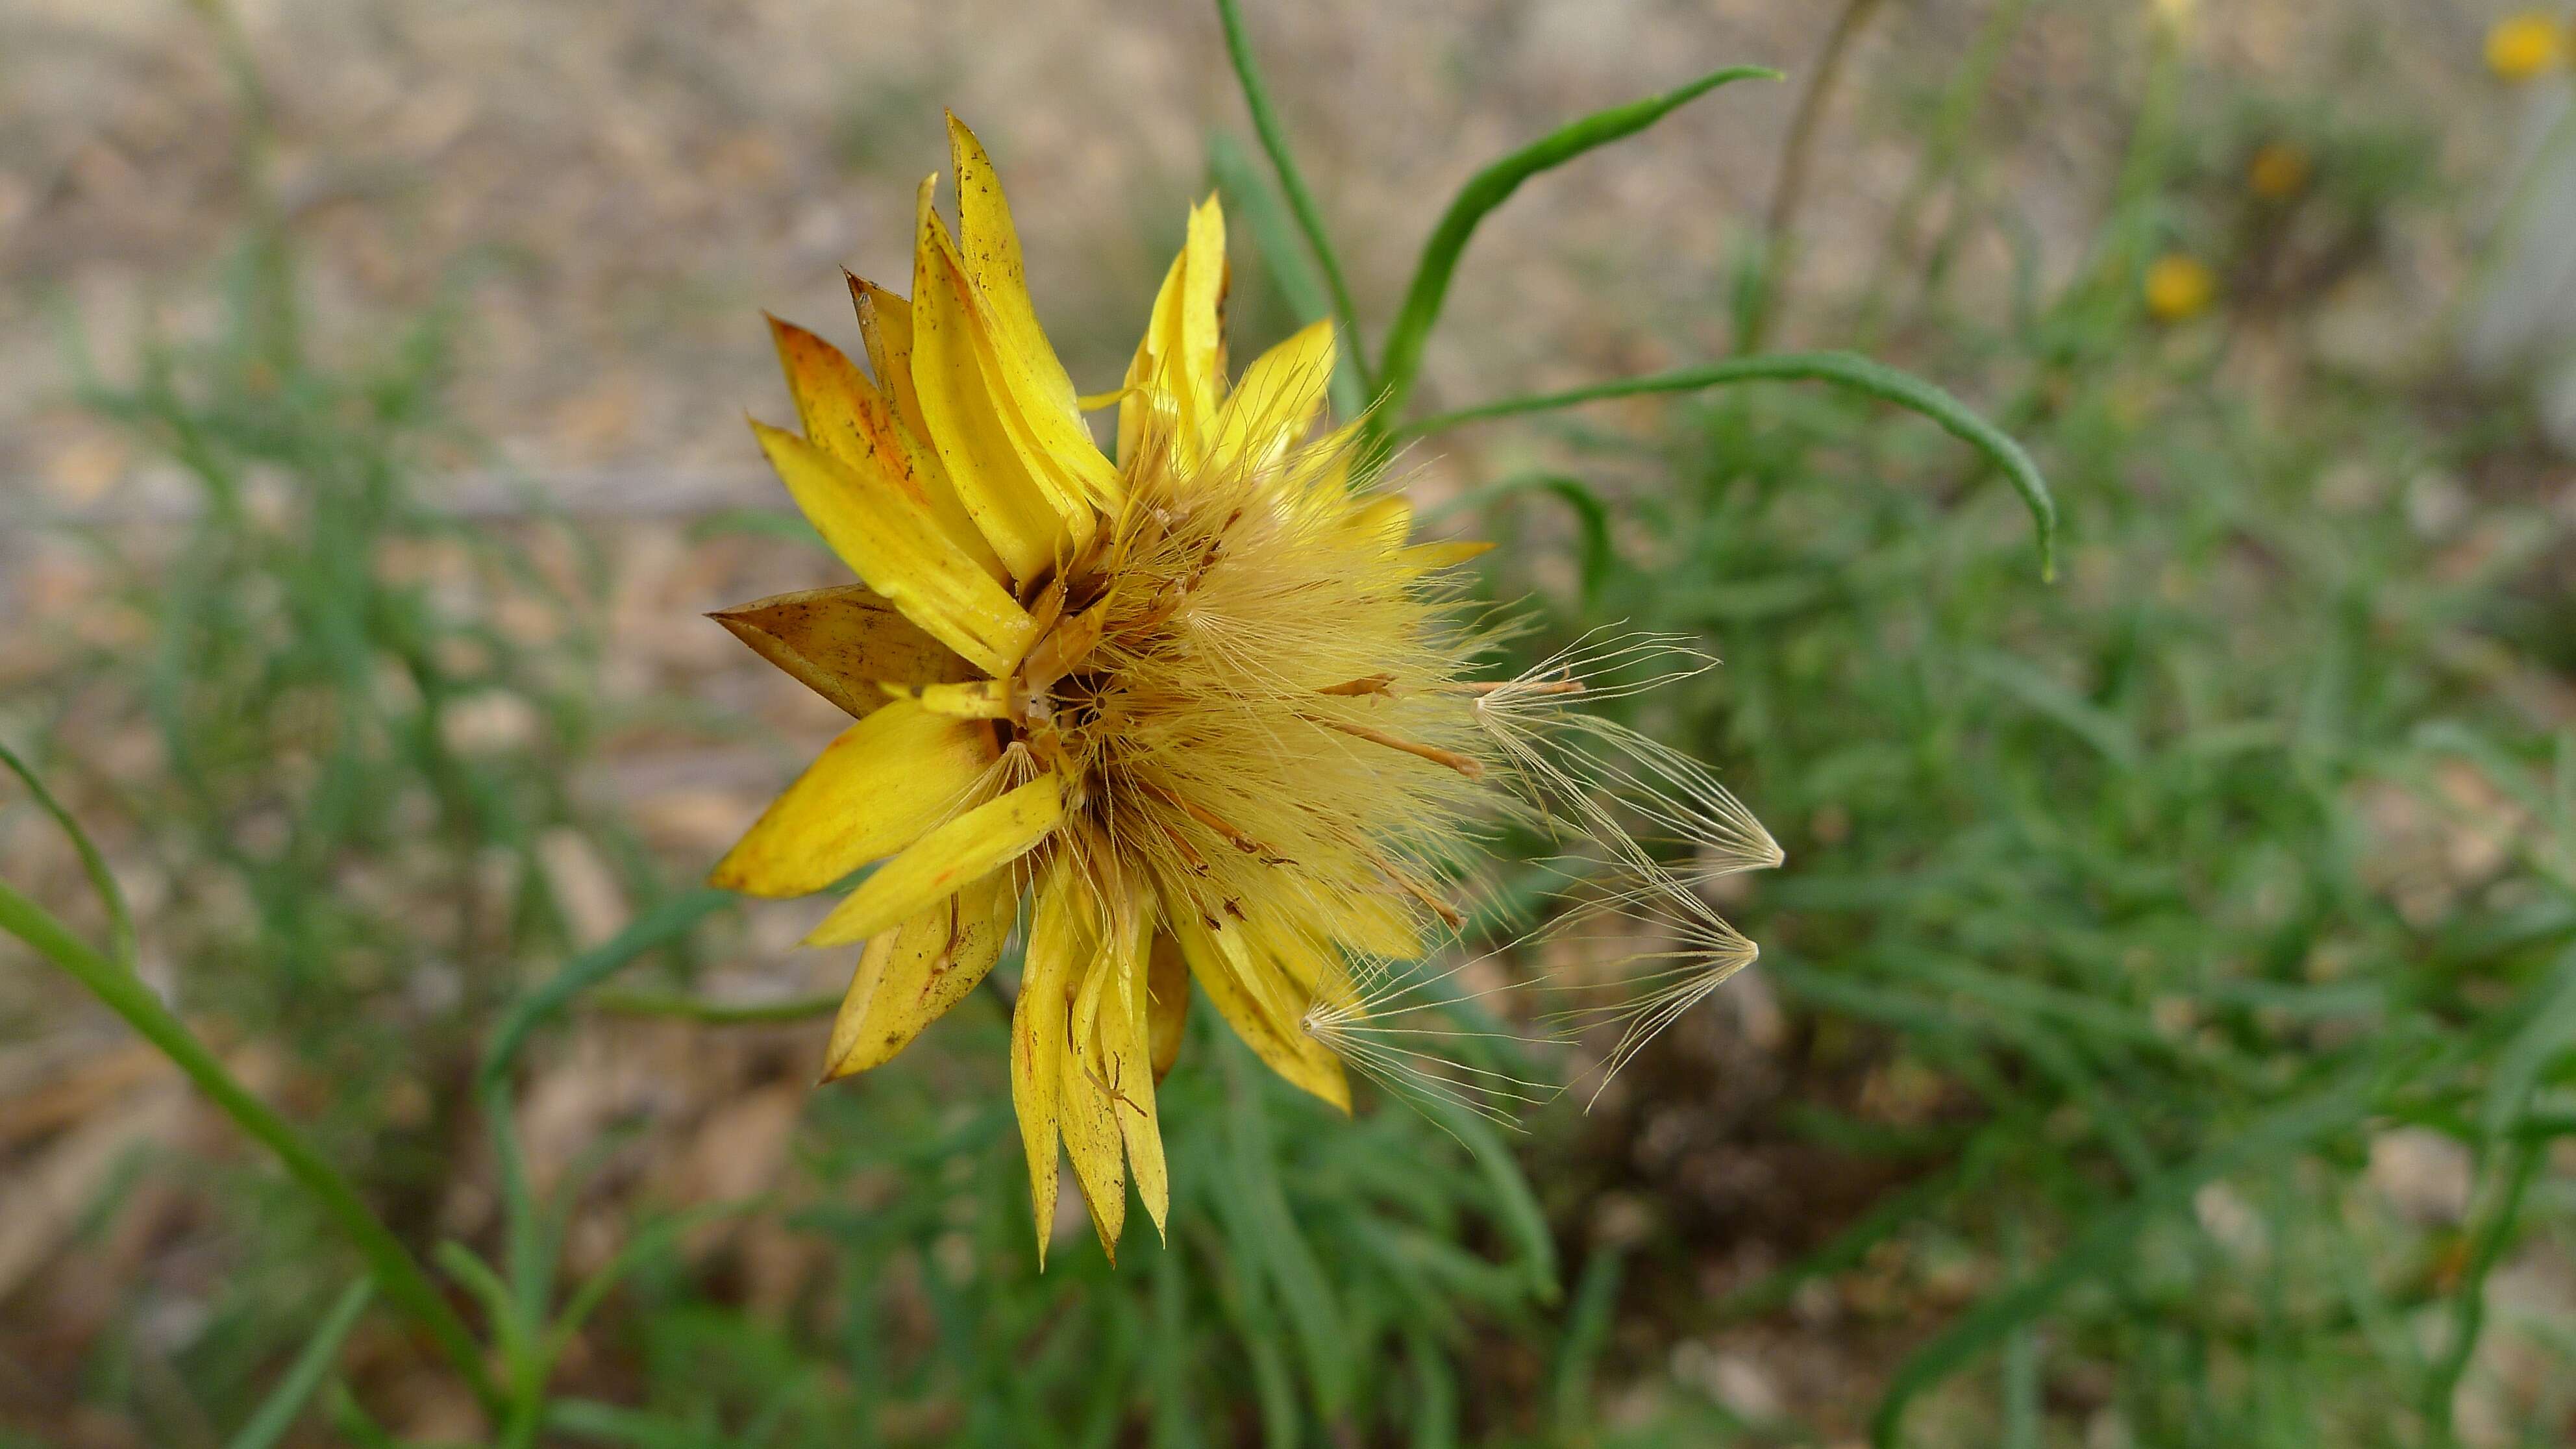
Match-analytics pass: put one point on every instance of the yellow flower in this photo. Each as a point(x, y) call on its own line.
point(2279, 170)
point(2179, 287)
point(1202, 707)
point(2523, 46)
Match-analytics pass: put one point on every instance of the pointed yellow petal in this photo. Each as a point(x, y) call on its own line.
point(1387, 518)
point(1167, 1003)
point(992, 252)
point(965, 416)
point(891, 540)
point(1220, 964)
point(909, 977)
point(1091, 1134)
point(1319, 474)
point(885, 325)
point(1202, 353)
point(1039, 399)
point(1182, 355)
point(981, 841)
point(1371, 923)
point(976, 699)
point(1448, 554)
point(1126, 1047)
point(882, 785)
point(1062, 938)
point(847, 417)
point(843, 643)
point(1275, 402)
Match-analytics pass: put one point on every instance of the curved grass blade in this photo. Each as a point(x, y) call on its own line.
point(1843, 369)
point(120, 922)
point(1310, 220)
point(1488, 189)
point(1590, 514)
point(278, 1412)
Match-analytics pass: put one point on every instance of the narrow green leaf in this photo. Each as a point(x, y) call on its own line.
point(120, 922)
point(1587, 1332)
point(1843, 369)
point(1515, 1207)
point(658, 927)
point(1492, 186)
point(122, 992)
point(682, 1007)
point(1310, 218)
point(1277, 1243)
point(277, 1413)
point(2549, 1030)
point(1435, 1385)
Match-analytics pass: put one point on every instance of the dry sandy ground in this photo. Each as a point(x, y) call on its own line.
point(627, 183)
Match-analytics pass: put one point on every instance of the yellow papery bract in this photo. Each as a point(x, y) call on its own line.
point(1089, 1102)
point(1167, 1003)
point(847, 417)
point(1109, 1035)
point(982, 840)
point(885, 326)
point(1387, 518)
point(1182, 357)
point(1026, 526)
point(884, 784)
point(974, 699)
point(1064, 933)
point(844, 643)
point(1275, 403)
point(992, 247)
point(910, 976)
point(889, 538)
point(1218, 962)
point(1427, 558)
point(1038, 398)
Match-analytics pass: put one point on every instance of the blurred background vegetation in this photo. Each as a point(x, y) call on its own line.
point(2165, 1032)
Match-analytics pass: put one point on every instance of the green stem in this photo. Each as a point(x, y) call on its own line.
point(1797, 155)
point(1843, 369)
point(2469, 1309)
point(684, 1007)
point(394, 1269)
point(1490, 188)
point(1310, 218)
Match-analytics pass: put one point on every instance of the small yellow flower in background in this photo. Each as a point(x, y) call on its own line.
point(2279, 170)
point(2526, 45)
point(1204, 707)
point(2179, 287)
